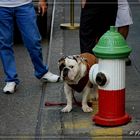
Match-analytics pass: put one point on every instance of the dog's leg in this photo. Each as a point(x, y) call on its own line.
point(93, 96)
point(85, 106)
point(96, 93)
point(68, 92)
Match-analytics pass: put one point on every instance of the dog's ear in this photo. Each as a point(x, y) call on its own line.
point(61, 63)
point(79, 59)
point(61, 60)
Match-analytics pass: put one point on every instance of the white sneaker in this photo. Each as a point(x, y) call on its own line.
point(9, 88)
point(50, 77)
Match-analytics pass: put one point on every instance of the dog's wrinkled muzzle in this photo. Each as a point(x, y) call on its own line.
point(65, 72)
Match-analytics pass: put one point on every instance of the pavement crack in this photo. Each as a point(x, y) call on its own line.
point(40, 111)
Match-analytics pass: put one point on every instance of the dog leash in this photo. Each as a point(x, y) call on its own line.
point(61, 104)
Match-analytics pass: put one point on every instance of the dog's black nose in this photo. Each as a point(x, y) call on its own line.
point(65, 72)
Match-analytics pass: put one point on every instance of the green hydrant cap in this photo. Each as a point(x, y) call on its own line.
point(112, 45)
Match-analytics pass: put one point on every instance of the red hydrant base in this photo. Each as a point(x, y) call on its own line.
point(111, 122)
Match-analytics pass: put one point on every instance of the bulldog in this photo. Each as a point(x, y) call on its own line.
point(74, 71)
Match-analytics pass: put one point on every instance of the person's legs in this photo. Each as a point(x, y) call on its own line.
point(26, 21)
point(87, 34)
point(6, 50)
point(6, 44)
point(96, 18)
point(90, 26)
point(124, 31)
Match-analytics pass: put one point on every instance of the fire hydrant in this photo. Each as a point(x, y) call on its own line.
point(109, 74)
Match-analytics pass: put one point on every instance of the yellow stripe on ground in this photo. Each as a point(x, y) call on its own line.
point(106, 134)
point(78, 124)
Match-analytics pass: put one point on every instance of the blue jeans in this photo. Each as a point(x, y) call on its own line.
point(26, 20)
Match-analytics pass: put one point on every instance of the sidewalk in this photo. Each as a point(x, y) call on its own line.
point(76, 124)
point(24, 115)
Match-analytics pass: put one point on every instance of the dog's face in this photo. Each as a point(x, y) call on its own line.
point(70, 67)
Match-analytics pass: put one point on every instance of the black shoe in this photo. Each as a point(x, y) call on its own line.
point(128, 62)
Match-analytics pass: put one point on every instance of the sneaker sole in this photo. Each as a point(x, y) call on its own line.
point(8, 92)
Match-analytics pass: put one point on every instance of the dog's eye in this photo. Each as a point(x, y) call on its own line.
point(71, 67)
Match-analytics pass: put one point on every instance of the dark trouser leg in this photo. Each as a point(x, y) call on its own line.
point(95, 20)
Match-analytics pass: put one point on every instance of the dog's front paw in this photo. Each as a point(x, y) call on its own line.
point(86, 108)
point(68, 108)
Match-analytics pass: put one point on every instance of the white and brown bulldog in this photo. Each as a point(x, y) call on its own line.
point(74, 71)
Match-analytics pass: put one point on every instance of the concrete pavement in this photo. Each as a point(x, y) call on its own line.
point(24, 115)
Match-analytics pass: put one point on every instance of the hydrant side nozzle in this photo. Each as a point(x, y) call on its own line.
point(92, 73)
point(101, 79)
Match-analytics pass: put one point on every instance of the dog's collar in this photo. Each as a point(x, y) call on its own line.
point(82, 82)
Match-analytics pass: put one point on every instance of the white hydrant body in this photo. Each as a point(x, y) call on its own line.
point(114, 71)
